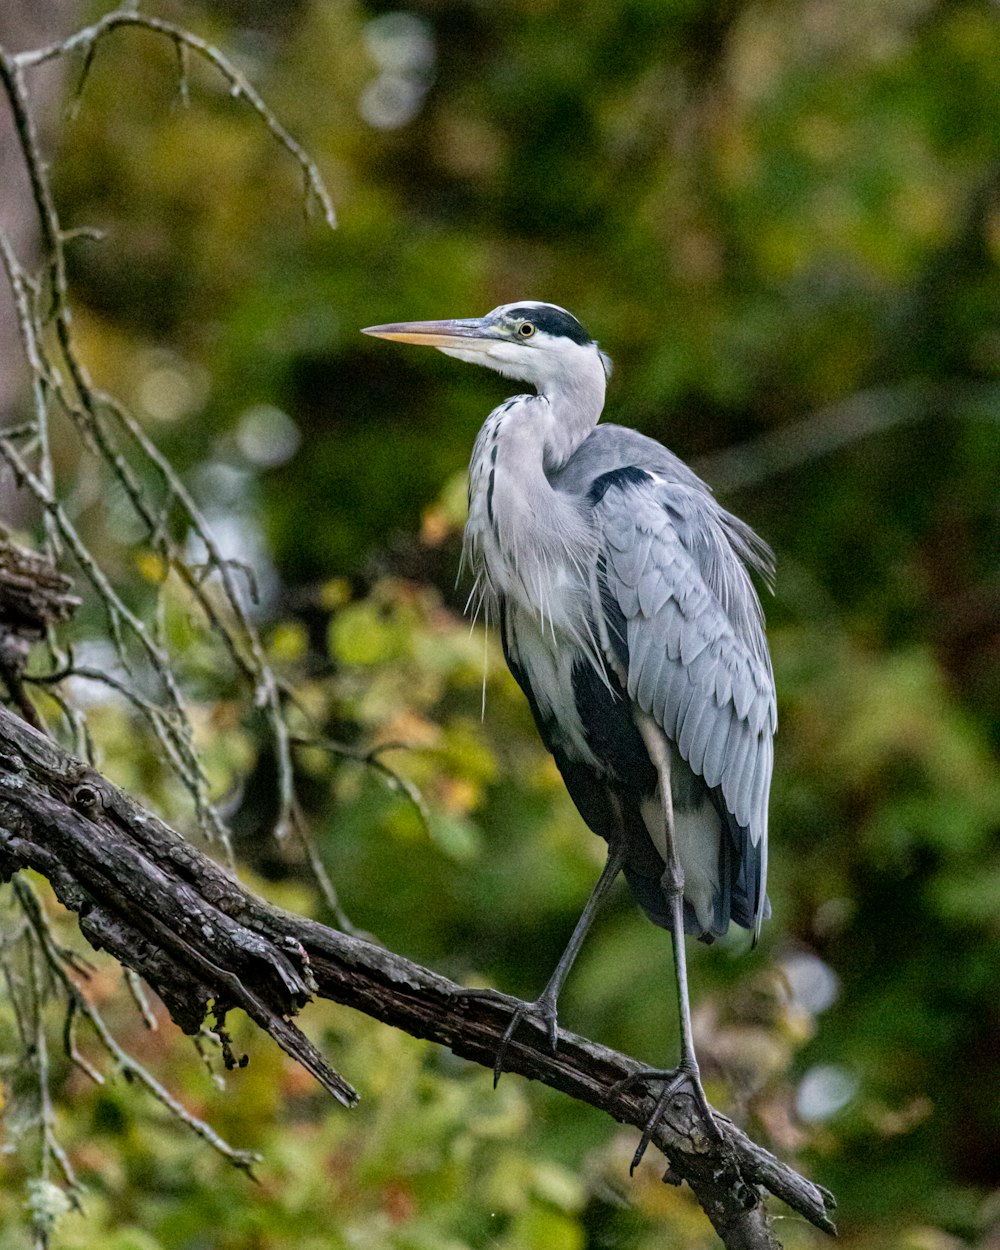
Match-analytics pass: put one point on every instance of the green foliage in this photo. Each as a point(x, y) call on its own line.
point(763, 212)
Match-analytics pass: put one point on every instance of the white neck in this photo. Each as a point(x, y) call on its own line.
point(527, 543)
point(570, 377)
point(575, 396)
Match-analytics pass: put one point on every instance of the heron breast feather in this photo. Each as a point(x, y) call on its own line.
point(548, 667)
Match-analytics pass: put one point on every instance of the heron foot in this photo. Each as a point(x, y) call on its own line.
point(541, 1012)
point(674, 1080)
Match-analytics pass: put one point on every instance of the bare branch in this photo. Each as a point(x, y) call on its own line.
point(172, 915)
point(184, 41)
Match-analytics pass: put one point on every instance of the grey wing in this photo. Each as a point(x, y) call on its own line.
point(690, 634)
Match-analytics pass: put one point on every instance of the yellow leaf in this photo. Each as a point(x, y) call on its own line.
point(151, 566)
point(289, 641)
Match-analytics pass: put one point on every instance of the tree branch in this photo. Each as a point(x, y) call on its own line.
point(184, 41)
point(165, 910)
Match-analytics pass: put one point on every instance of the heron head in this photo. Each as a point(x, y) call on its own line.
point(534, 342)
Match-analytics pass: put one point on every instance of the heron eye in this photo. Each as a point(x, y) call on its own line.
point(526, 329)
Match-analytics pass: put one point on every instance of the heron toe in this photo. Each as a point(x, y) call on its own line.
point(542, 1013)
point(675, 1099)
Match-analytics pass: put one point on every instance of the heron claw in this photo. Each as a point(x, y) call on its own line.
point(541, 1011)
point(673, 1079)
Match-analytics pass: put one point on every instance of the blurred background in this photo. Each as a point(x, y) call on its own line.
point(781, 218)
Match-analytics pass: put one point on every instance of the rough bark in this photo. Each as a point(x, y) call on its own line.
point(204, 942)
point(34, 596)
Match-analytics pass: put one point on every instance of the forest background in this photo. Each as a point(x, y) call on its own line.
point(782, 221)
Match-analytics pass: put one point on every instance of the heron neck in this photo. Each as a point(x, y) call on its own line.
point(575, 402)
point(528, 545)
point(511, 499)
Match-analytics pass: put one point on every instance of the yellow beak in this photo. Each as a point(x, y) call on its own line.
point(434, 333)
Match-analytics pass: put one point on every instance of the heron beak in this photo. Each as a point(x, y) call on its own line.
point(467, 334)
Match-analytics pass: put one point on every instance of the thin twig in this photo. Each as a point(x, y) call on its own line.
point(51, 1146)
point(130, 1067)
point(372, 758)
point(119, 613)
point(86, 403)
point(256, 669)
point(61, 384)
point(240, 86)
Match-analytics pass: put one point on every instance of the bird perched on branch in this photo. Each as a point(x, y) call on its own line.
point(623, 596)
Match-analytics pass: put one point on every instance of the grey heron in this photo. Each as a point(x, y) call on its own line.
point(627, 613)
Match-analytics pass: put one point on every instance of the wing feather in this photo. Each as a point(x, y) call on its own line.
point(668, 710)
point(632, 561)
point(628, 600)
point(715, 750)
point(693, 640)
point(648, 678)
point(688, 691)
point(654, 591)
point(723, 685)
point(697, 658)
point(697, 729)
point(738, 777)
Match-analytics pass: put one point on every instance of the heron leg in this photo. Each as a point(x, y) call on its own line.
point(543, 1009)
point(687, 1071)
